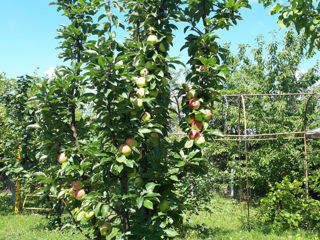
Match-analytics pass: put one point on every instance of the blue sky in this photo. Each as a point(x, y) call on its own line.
point(28, 30)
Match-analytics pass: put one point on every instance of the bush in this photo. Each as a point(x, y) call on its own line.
point(287, 208)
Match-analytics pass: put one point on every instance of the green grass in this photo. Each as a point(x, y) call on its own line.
point(224, 223)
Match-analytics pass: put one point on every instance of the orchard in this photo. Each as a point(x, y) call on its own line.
point(98, 135)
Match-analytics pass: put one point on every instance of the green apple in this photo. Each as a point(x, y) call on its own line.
point(153, 93)
point(169, 38)
point(132, 99)
point(146, 117)
point(152, 39)
point(89, 215)
point(164, 206)
point(132, 172)
point(162, 48)
point(141, 92)
point(138, 182)
point(199, 141)
point(186, 87)
point(139, 103)
point(190, 119)
point(141, 82)
point(106, 229)
point(144, 72)
point(191, 94)
point(150, 65)
point(125, 149)
point(198, 116)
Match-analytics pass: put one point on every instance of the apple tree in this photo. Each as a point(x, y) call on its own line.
point(104, 120)
point(303, 15)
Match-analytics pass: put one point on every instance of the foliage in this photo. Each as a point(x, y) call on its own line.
point(304, 15)
point(89, 111)
point(285, 207)
point(272, 68)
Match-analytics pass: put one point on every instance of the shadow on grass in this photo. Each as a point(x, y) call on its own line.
point(6, 206)
point(205, 232)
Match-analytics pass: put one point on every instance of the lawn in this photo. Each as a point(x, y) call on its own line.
point(224, 223)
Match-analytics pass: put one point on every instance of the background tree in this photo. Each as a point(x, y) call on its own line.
point(303, 15)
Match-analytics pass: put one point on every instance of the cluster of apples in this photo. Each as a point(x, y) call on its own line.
point(77, 191)
point(197, 117)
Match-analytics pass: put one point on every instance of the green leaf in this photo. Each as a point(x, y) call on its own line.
point(139, 202)
point(171, 232)
point(144, 130)
point(97, 209)
point(150, 187)
point(189, 144)
point(121, 159)
point(281, 24)
point(148, 204)
point(174, 178)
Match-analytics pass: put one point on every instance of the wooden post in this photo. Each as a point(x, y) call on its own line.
point(17, 206)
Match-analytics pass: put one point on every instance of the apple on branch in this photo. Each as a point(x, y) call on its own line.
point(194, 134)
point(125, 149)
point(152, 39)
point(106, 229)
point(62, 157)
point(191, 94)
point(141, 92)
point(146, 117)
point(141, 82)
point(197, 124)
point(79, 194)
point(139, 103)
point(144, 72)
point(77, 186)
point(207, 114)
point(164, 205)
point(131, 142)
point(194, 103)
point(200, 141)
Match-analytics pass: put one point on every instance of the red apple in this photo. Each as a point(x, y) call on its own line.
point(197, 124)
point(194, 103)
point(125, 149)
point(194, 134)
point(79, 194)
point(76, 186)
point(62, 157)
point(207, 114)
point(131, 142)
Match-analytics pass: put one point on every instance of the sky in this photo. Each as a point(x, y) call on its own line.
point(28, 31)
